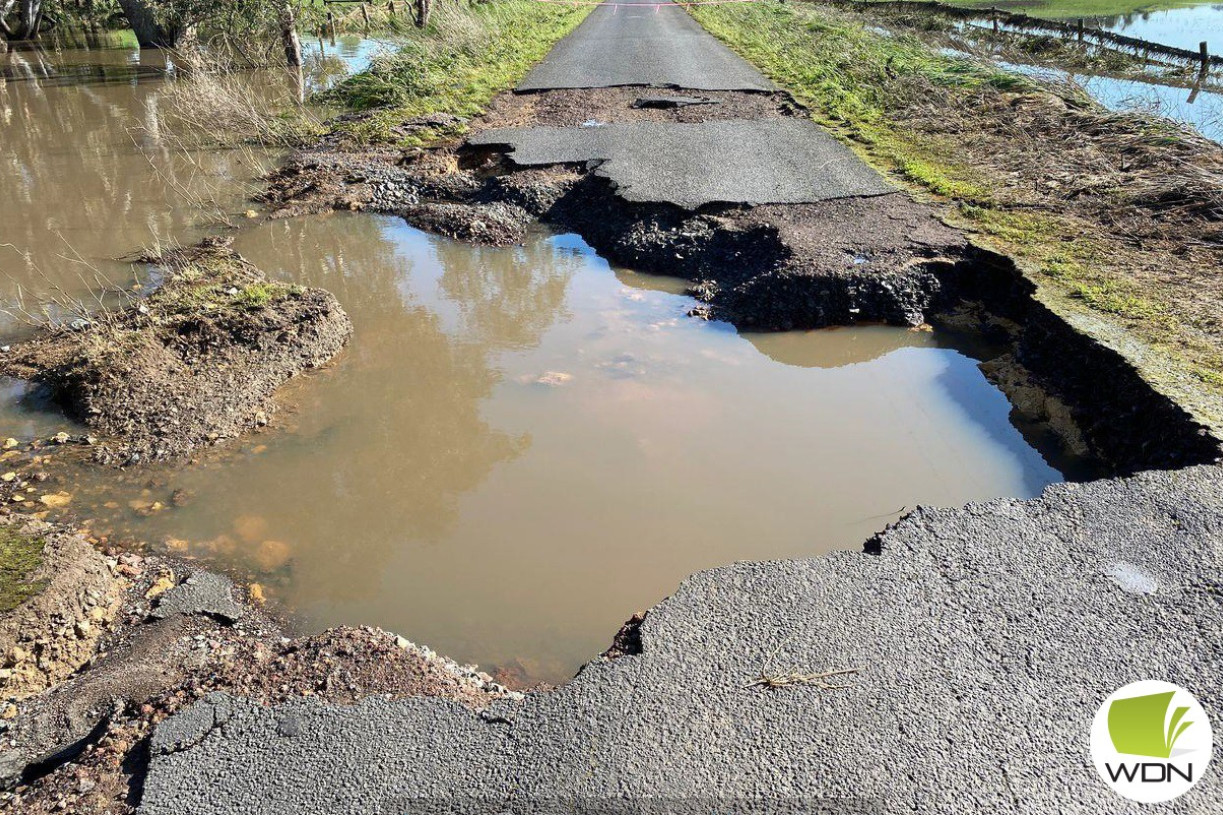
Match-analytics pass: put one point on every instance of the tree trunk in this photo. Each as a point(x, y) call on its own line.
point(288, 34)
point(5, 7)
point(423, 7)
point(151, 32)
point(29, 19)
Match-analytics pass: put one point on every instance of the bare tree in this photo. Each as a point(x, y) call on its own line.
point(6, 6)
point(171, 23)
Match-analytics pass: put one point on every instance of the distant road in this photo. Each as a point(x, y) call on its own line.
point(643, 43)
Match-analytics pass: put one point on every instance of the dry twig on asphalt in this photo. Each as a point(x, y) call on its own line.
point(796, 677)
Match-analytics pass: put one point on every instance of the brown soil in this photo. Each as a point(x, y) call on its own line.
point(1034, 402)
point(150, 667)
point(194, 363)
point(573, 108)
point(52, 634)
point(627, 641)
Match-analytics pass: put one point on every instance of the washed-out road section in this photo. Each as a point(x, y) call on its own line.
point(984, 637)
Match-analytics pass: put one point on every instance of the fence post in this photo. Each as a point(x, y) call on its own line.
point(331, 26)
point(365, 16)
point(1080, 32)
point(1205, 58)
point(390, 7)
point(993, 13)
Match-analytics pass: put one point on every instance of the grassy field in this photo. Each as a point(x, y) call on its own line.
point(1054, 182)
point(467, 55)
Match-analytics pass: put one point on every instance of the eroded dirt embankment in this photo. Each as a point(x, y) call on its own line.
point(882, 258)
point(111, 643)
point(195, 362)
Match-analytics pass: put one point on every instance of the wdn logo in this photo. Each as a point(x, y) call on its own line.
point(1151, 741)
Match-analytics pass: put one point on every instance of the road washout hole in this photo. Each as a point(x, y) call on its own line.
point(523, 446)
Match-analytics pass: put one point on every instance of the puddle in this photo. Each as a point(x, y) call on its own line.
point(524, 446)
point(1202, 109)
point(1184, 25)
point(1178, 27)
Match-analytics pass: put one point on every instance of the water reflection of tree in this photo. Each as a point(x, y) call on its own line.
point(394, 436)
point(86, 171)
point(500, 293)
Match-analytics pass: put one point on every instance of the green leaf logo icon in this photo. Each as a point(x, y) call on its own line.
point(1140, 725)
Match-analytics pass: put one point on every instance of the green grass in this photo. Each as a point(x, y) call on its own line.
point(851, 78)
point(20, 556)
point(258, 295)
point(1073, 263)
point(466, 56)
point(214, 284)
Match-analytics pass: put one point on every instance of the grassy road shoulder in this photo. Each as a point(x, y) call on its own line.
point(465, 57)
point(1117, 218)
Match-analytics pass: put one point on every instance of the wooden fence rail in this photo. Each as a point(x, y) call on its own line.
point(1078, 30)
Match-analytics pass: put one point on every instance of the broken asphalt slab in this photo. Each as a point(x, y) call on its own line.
point(985, 638)
point(202, 593)
point(771, 161)
point(647, 43)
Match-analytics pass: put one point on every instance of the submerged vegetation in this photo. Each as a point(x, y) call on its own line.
point(1092, 203)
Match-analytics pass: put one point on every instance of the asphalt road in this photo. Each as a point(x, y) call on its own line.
point(773, 161)
point(986, 638)
point(653, 44)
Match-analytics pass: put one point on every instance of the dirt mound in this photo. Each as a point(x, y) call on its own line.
point(496, 224)
point(195, 362)
point(67, 595)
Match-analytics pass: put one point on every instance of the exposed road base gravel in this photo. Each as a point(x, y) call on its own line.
point(177, 636)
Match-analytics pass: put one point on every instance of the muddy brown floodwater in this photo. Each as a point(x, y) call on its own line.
point(524, 446)
point(89, 174)
point(521, 447)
